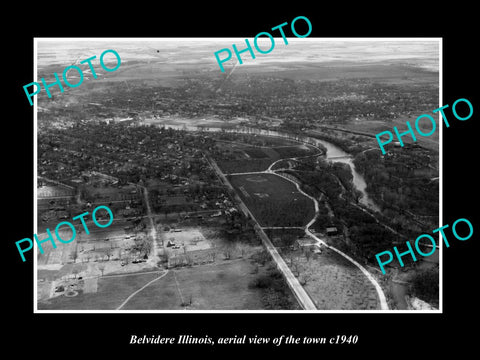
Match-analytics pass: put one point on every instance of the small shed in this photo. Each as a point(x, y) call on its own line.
point(331, 231)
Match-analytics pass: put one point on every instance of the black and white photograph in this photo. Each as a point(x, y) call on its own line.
point(259, 185)
point(217, 180)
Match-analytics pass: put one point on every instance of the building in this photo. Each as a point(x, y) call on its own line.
point(332, 231)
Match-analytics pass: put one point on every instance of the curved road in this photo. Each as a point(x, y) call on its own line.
point(381, 295)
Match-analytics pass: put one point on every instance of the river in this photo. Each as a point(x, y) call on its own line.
point(334, 153)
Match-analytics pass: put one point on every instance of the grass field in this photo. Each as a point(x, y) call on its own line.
point(273, 200)
point(387, 72)
point(250, 158)
point(256, 153)
point(376, 126)
point(244, 165)
point(111, 292)
point(294, 151)
point(209, 287)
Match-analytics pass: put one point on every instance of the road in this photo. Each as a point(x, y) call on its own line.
point(300, 294)
point(298, 290)
point(153, 231)
point(319, 242)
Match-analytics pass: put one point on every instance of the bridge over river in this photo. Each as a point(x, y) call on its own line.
point(302, 296)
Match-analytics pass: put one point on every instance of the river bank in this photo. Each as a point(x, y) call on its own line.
point(398, 289)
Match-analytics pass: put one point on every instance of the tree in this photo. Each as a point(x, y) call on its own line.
point(75, 271)
point(304, 278)
point(74, 254)
point(227, 253)
point(308, 254)
point(425, 285)
point(126, 258)
point(101, 267)
point(108, 254)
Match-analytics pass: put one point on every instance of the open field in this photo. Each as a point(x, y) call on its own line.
point(273, 200)
point(208, 287)
point(111, 292)
point(244, 165)
point(364, 130)
point(247, 153)
point(294, 151)
point(53, 191)
point(374, 127)
point(385, 72)
point(222, 286)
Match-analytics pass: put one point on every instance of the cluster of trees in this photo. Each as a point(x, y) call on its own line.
point(394, 185)
point(315, 182)
point(302, 100)
point(425, 285)
point(366, 235)
point(297, 101)
point(370, 239)
point(130, 153)
point(285, 237)
point(344, 175)
point(143, 246)
point(275, 292)
point(350, 144)
point(188, 198)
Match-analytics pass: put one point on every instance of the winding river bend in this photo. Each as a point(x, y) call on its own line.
point(334, 153)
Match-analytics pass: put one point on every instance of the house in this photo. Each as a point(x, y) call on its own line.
point(303, 243)
point(331, 231)
point(216, 214)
